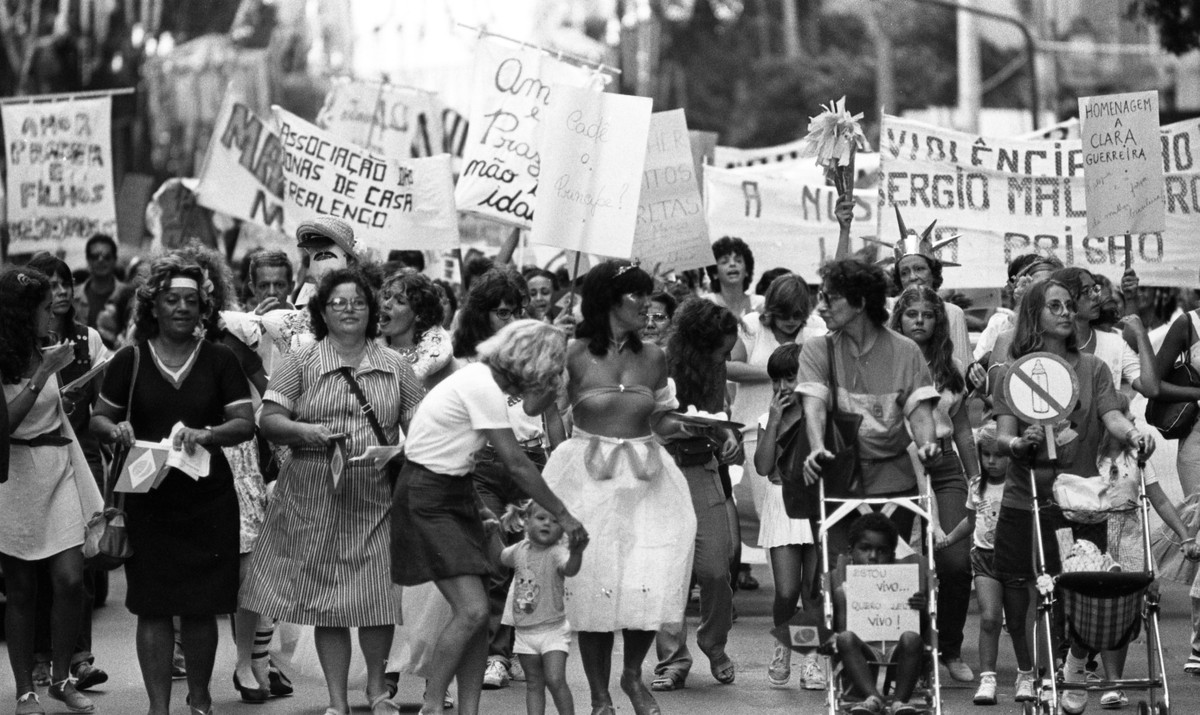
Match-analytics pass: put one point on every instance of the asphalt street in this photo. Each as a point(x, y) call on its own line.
point(750, 646)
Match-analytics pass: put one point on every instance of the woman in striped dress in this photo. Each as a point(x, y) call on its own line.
point(322, 558)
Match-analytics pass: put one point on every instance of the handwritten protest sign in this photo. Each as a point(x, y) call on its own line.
point(502, 159)
point(877, 600)
point(1006, 197)
point(670, 230)
point(386, 119)
point(390, 204)
point(787, 221)
point(1122, 166)
point(595, 150)
point(242, 174)
point(60, 178)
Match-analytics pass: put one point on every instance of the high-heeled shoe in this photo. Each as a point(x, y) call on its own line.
point(280, 685)
point(256, 696)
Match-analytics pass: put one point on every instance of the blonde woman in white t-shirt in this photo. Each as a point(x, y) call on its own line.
point(438, 531)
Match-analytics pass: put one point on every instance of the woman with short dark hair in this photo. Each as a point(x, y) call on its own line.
point(184, 532)
point(732, 276)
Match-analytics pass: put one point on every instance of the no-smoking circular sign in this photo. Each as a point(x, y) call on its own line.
point(1041, 388)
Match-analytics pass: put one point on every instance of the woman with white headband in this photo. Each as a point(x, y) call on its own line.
point(184, 531)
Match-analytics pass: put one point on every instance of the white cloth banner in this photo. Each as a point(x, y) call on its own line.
point(671, 231)
point(595, 149)
point(242, 174)
point(502, 159)
point(390, 204)
point(786, 222)
point(389, 120)
point(60, 177)
point(1007, 197)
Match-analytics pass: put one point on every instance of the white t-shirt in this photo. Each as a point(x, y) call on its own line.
point(446, 431)
point(1121, 360)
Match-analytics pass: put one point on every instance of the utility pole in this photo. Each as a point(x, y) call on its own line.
point(970, 96)
point(791, 30)
point(885, 56)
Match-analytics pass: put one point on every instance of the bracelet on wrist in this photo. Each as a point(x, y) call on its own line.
point(1012, 445)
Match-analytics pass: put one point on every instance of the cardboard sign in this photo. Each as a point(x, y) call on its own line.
point(595, 147)
point(242, 174)
point(385, 119)
point(390, 204)
point(1122, 163)
point(502, 162)
point(1006, 197)
point(670, 232)
point(1041, 388)
point(877, 600)
point(786, 222)
point(60, 178)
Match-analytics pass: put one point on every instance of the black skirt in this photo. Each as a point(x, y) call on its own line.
point(437, 530)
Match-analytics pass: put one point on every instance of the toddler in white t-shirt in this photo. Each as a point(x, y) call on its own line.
point(535, 608)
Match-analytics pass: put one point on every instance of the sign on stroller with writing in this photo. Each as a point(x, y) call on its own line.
point(877, 600)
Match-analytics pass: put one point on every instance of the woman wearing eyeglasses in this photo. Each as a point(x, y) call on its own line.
point(1046, 323)
point(323, 555)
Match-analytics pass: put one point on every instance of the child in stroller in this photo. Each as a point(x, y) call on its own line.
point(873, 540)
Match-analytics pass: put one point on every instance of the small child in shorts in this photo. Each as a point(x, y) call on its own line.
point(535, 608)
point(873, 540)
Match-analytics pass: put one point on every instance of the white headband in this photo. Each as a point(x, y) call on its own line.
point(182, 282)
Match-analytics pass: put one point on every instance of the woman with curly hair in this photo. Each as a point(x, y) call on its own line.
point(46, 495)
point(174, 385)
point(920, 315)
point(495, 299)
point(704, 334)
point(438, 530)
point(410, 322)
point(880, 374)
point(621, 482)
point(732, 276)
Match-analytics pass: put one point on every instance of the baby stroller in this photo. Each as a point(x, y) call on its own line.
point(1102, 610)
point(848, 508)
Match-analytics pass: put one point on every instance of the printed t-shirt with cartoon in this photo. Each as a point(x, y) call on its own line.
point(535, 599)
point(987, 511)
point(1097, 396)
point(885, 385)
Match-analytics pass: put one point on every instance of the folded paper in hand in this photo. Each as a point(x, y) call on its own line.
point(195, 465)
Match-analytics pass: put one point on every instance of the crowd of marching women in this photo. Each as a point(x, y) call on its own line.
point(475, 480)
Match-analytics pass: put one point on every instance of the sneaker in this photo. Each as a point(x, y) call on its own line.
point(64, 691)
point(448, 700)
point(1025, 687)
point(1192, 666)
point(779, 672)
point(515, 672)
point(88, 676)
point(1074, 702)
point(28, 704)
point(812, 675)
point(1114, 700)
point(41, 673)
point(496, 675)
point(959, 670)
point(986, 694)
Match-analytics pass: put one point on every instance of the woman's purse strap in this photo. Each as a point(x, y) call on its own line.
point(367, 410)
point(833, 383)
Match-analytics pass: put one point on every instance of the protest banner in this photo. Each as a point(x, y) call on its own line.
point(390, 120)
point(1122, 168)
point(242, 175)
point(60, 176)
point(390, 204)
point(595, 148)
point(502, 159)
point(1006, 197)
point(727, 157)
point(786, 221)
point(877, 600)
point(670, 232)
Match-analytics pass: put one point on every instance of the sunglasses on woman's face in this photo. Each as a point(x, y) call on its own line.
point(1058, 307)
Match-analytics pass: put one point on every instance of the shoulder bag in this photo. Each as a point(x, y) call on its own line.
point(842, 475)
point(393, 471)
point(1176, 419)
point(106, 545)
